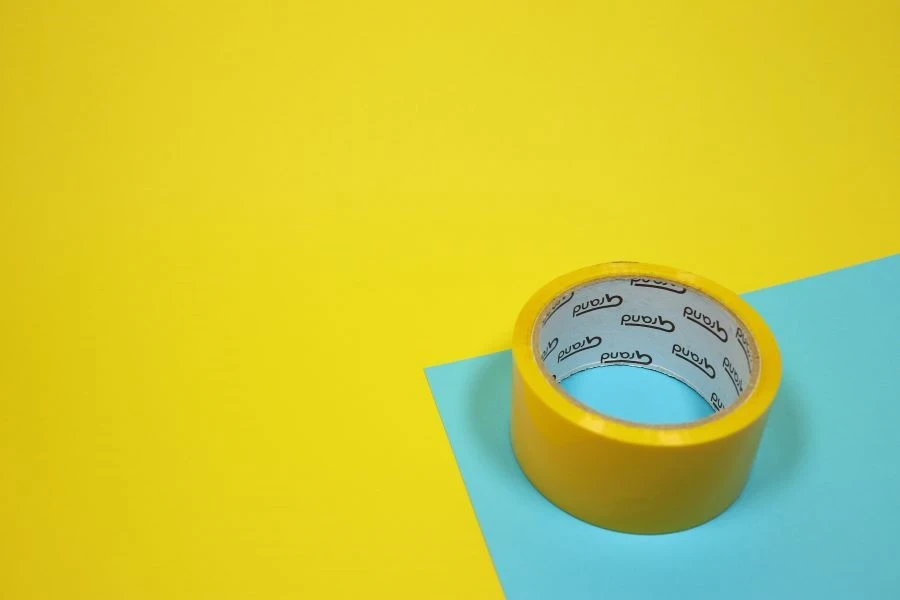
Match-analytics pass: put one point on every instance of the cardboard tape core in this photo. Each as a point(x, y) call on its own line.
point(652, 324)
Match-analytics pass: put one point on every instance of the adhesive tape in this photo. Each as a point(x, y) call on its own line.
point(619, 474)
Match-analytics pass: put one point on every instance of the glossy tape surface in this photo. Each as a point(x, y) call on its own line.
point(623, 475)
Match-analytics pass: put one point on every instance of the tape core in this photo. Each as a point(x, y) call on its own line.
point(653, 324)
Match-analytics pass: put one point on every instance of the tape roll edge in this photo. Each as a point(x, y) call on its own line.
point(745, 414)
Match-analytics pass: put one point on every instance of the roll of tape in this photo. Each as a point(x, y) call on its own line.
point(619, 474)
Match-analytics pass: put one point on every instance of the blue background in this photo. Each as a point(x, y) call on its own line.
point(638, 395)
point(819, 515)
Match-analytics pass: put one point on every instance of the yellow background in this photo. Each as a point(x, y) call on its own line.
point(233, 234)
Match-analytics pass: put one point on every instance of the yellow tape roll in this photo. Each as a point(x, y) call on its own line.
point(623, 475)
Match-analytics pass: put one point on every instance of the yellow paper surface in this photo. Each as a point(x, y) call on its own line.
point(233, 234)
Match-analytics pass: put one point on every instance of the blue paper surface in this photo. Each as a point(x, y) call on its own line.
point(638, 395)
point(819, 516)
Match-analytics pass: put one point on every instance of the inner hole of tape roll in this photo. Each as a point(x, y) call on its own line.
point(652, 324)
